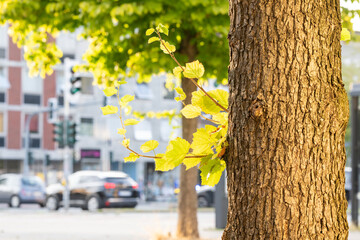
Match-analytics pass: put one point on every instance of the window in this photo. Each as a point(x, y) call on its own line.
point(86, 127)
point(33, 143)
point(142, 131)
point(2, 53)
point(143, 91)
point(168, 131)
point(4, 81)
point(31, 85)
point(168, 94)
point(1, 122)
point(3, 181)
point(32, 99)
point(2, 142)
point(34, 123)
point(2, 97)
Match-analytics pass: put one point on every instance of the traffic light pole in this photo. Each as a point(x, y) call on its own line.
point(66, 195)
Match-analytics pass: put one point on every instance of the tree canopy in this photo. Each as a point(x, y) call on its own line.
point(116, 32)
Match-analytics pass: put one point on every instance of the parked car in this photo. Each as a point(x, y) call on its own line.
point(16, 189)
point(92, 190)
point(205, 195)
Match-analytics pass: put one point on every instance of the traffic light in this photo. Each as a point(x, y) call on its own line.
point(71, 134)
point(47, 160)
point(59, 134)
point(73, 80)
point(52, 104)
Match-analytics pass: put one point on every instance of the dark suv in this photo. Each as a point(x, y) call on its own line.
point(92, 190)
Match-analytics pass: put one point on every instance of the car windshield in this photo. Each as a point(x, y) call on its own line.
point(31, 181)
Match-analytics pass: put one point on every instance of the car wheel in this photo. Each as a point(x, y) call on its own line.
point(14, 201)
point(203, 202)
point(52, 203)
point(92, 204)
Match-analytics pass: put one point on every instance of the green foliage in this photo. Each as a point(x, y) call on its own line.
point(116, 32)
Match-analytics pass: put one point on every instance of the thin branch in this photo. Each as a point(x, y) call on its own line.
point(193, 80)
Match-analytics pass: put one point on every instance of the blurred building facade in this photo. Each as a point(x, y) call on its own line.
point(98, 146)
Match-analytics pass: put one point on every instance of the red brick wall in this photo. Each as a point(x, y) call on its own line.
point(49, 92)
point(14, 51)
point(14, 91)
point(14, 130)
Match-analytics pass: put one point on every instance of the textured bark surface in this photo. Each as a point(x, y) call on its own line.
point(187, 202)
point(288, 114)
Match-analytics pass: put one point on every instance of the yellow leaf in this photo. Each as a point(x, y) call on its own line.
point(194, 70)
point(345, 34)
point(167, 48)
point(131, 158)
point(180, 91)
point(121, 131)
point(125, 100)
point(211, 171)
point(109, 91)
point(149, 146)
point(109, 110)
point(203, 141)
point(126, 142)
point(131, 121)
point(191, 162)
point(149, 31)
point(175, 154)
point(177, 70)
point(191, 111)
point(153, 39)
point(222, 118)
point(208, 105)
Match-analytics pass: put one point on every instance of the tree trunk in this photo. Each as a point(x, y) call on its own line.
point(187, 208)
point(288, 114)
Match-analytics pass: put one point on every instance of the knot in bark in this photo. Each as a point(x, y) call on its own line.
point(256, 109)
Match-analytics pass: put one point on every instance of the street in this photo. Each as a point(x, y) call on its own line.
point(146, 221)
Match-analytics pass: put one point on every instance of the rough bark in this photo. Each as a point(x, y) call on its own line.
point(288, 114)
point(187, 202)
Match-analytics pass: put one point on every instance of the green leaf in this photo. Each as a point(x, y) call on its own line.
point(149, 146)
point(109, 109)
point(121, 131)
point(194, 70)
point(345, 34)
point(168, 46)
point(211, 171)
point(125, 100)
point(203, 141)
point(131, 121)
point(149, 31)
point(131, 158)
point(181, 92)
point(191, 111)
point(208, 105)
point(161, 28)
point(109, 91)
point(174, 155)
point(153, 39)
